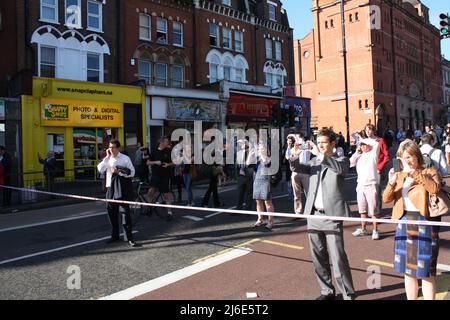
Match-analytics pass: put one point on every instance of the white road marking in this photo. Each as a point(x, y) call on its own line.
point(176, 276)
point(56, 250)
point(52, 222)
point(443, 267)
point(219, 212)
point(193, 218)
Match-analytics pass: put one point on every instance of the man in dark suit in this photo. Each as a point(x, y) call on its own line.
point(6, 161)
point(50, 168)
point(325, 198)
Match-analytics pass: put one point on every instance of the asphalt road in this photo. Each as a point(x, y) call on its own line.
point(40, 249)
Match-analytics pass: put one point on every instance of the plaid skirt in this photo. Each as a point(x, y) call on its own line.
point(416, 248)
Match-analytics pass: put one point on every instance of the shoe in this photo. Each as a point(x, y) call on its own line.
point(192, 204)
point(269, 225)
point(360, 233)
point(133, 244)
point(259, 223)
point(375, 235)
point(112, 240)
point(169, 216)
point(326, 297)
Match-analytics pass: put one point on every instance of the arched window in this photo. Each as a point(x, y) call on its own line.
point(214, 60)
point(145, 67)
point(161, 68)
point(228, 69)
point(178, 73)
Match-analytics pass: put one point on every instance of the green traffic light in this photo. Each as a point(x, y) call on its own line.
point(444, 30)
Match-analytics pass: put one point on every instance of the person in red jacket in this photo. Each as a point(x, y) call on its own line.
point(383, 159)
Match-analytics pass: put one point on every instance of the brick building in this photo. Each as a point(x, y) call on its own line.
point(446, 86)
point(394, 69)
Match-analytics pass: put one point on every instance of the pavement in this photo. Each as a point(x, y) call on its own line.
point(60, 253)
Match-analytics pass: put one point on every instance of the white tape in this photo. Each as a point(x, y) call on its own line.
point(252, 213)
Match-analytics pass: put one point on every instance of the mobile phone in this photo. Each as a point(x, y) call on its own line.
point(397, 165)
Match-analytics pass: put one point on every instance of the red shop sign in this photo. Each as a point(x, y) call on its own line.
point(240, 105)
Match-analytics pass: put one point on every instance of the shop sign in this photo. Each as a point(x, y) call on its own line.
point(302, 106)
point(79, 113)
point(194, 110)
point(2, 110)
point(247, 106)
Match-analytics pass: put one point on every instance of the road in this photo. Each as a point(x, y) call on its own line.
point(196, 256)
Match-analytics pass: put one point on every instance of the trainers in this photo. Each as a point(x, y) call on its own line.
point(375, 235)
point(360, 233)
point(259, 223)
point(269, 225)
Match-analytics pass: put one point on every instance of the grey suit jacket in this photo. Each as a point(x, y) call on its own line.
point(333, 182)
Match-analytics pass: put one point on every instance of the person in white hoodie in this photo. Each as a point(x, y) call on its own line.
point(365, 159)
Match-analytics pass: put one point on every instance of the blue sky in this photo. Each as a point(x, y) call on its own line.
point(301, 19)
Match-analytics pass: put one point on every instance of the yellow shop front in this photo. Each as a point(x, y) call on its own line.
point(76, 121)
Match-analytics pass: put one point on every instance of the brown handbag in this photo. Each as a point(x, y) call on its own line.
point(193, 172)
point(439, 203)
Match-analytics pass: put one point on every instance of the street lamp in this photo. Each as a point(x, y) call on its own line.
point(344, 52)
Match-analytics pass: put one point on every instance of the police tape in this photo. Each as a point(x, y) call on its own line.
point(233, 211)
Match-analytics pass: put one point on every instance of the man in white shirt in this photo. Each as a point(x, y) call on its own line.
point(436, 155)
point(300, 181)
point(365, 159)
point(111, 164)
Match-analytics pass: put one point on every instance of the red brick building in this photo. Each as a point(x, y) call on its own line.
point(394, 72)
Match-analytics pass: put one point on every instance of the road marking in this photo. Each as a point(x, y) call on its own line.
point(442, 279)
point(56, 250)
point(219, 212)
point(193, 218)
point(285, 245)
point(176, 276)
point(52, 222)
point(239, 246)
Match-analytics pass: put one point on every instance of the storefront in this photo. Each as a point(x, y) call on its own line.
point(248, 111)
point(76, 120)
point(299, 111)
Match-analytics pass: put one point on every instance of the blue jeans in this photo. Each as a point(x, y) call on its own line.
point(188, 185)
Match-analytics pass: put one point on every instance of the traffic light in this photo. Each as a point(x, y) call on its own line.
point(291, 117)
point(277, 115)
point(444, 25)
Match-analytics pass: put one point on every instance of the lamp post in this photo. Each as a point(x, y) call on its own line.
point(344, 52)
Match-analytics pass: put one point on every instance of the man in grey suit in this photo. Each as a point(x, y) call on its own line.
point(325, 198)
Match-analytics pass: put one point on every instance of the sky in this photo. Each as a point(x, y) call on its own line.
point(300, 17)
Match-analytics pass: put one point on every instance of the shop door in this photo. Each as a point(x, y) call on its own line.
point(55, 142)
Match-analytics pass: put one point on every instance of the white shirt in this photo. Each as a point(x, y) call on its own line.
point(407, 204)
point(367, 164)
point(318, 202)
point(437, 157)
point(112, 162)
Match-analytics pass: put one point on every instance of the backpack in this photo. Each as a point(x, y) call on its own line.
point(427, 161)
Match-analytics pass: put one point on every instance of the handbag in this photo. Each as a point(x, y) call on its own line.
point(193, 172)
point(439, 203)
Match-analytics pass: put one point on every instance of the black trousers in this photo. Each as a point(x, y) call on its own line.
point(245, 189)
point(114, 212)
point(212, 189)
point(7, 192)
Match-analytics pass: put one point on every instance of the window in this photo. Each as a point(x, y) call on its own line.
point(213, 72)
point(239, 75)
point(94, 19)
point(161, 74)
point(278, 54)
point(226, 2)
point(269, 50)
point(269, 81)
point(360, 105)
point(47, 65)
point(367, 104)
point(213, 35)
point(350, 18)
point(145, 23)
point(238, 41)
point(93, 67)
point(145, 70)
point(73, 13)
point(226, 38)
point(272, 12)
point(178, 34)
point(161, 31)
point(326, 24)
point(227, 73)
point(49, 10)
point(331, 23)
point(356, 16)
point(279, 81)
point(177, 76)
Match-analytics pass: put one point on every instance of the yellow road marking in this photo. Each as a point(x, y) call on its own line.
point(226, 250)
point(442, 280)
point(283, 245)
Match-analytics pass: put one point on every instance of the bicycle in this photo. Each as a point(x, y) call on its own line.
point(138, 211)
